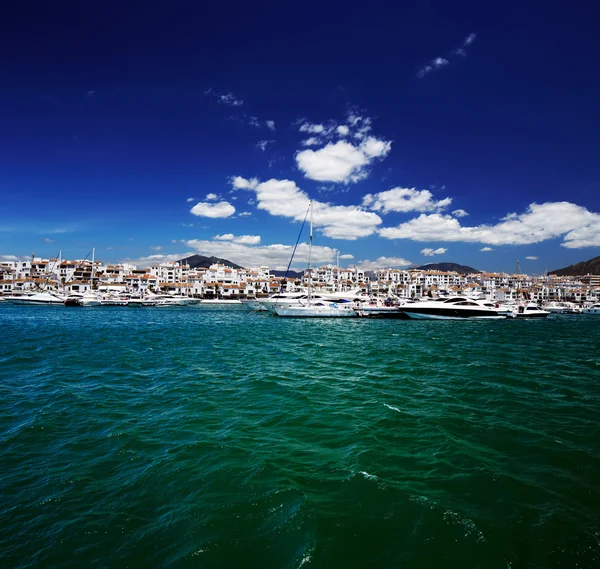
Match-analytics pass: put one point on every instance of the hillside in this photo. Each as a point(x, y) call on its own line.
point(291, 274)
point(195, 261)
point(591, 267)
point(461, 269)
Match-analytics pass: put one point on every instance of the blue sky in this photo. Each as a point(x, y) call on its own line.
point(423, 131)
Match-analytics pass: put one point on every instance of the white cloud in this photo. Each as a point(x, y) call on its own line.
point(212, 197)
point(432, 252)
point(48, 240)
point(275, 256)
point(312, 141)
point(214, 210)
point(244, 214)
point(230, 99)
point(143, 262)
point(469, 39)
point(312, 128)
point(404, 200)
point(284, 198)
point(531, 258)
point(575, 224)
point(459, 213)
point(433, 65)
point(342, 130)
point(244, 239)
point(11, 258)
point(270, 124)
point(190, 200)
point(486, 249)
point(347, 256)
point(262, 144)
point(341, 161)
point(240, 183)
point(253, 121)
point(156, 248)
point(383, 262)
point(439, 62)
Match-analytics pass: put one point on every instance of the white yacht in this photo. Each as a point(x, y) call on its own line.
point(166, 300)
point(88, 298)
point(47, 298)
point(529, 310)
point(454, 308)
point(593, 309)
point(557, 307)
point(217, 301)
point(318, 310)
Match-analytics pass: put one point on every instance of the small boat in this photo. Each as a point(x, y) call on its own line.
point(220, 301)
point(86, 299)
point(593, 309)
point(563, 308)
point(529, 310)
point(454, 308)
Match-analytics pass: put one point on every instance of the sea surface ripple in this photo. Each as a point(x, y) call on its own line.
point(215, 437)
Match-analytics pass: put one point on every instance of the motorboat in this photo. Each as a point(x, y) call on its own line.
point(86, 299)
point(220, 301)
point(41, 298)
point(593, 309)
point(454, 308)
point(166, 300)
point(529, 310)
point(375, 308)
point(318, 310)
point(563, 308)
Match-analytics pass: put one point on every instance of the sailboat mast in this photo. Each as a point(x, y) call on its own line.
point(93, 258)
point(310, 240)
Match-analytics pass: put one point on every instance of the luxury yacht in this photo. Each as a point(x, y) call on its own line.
point(454, 308)
point(47, 298)
point(317, 309)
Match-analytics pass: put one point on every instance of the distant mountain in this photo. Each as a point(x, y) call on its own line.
point(461, 269)
point(291, 274)
point(591, 267)
point(195, 261)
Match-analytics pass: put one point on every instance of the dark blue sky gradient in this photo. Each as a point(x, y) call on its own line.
point(105, 128)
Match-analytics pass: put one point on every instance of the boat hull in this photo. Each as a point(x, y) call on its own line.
point(312, 312)
point(450, 314)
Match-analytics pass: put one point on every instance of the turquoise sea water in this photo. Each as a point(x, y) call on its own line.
point(213, 437)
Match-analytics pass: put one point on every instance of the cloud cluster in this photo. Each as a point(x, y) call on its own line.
point(275, 256)
point(215, 210)
point(405, 200)
point(380, 262)
point(440, 62)
point(575, 224)
point(341, 161)
point(224, 97)
point(243, 239)
point(346, 149)
point(431, 252)
point(284, 198)
point(262, 144)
